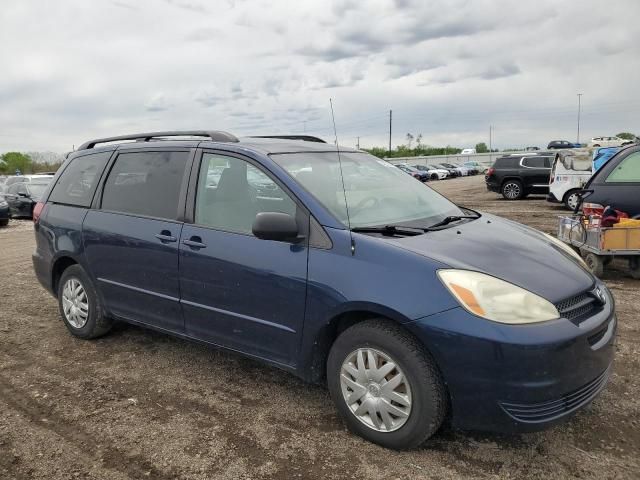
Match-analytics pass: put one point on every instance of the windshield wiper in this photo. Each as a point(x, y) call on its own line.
point(391, 230)
point(449, 219)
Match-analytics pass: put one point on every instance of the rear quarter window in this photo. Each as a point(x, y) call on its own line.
point(78, 182)
point(628, 171)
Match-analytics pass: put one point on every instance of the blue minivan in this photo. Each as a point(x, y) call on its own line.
point(335, 266)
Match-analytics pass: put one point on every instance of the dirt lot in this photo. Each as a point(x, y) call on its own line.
point(137, 404)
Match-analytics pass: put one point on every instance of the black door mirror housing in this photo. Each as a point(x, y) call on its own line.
point(275, 226)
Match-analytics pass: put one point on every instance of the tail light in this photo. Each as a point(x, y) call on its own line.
point(491, 171)
point(37, 210)
point(592, 209)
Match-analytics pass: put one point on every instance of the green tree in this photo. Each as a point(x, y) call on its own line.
point(482, 148)
point(626, 136)
point(12, 161)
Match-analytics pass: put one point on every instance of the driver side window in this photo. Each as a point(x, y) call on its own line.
point(231, 192)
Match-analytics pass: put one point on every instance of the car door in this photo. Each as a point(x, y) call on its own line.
point(537, 171)
point(239, 291)
point(131, 238)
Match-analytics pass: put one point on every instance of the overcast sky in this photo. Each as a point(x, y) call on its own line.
point(75, 70)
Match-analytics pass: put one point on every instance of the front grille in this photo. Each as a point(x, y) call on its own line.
point(576, 307)
point(546, 411)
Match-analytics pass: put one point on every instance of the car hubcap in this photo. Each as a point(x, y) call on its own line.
point(375, 389)
point(572, 201)
point(511, 190)
point(75, 303)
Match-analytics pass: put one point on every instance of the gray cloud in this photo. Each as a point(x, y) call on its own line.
point(447, 68)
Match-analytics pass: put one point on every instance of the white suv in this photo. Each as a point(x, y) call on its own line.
point(609, 142)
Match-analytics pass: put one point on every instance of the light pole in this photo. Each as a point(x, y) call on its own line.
point(579, 105)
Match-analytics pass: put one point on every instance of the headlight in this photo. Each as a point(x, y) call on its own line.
point(567, 249)
point(494, 299)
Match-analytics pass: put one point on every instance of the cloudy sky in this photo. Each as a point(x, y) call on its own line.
point(74, 70)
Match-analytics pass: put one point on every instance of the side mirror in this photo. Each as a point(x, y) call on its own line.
point(275, 226)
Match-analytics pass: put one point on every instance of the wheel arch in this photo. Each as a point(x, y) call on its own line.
point(59, 266)
point(316, 361)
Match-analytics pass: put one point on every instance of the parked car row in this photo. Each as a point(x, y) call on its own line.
point(440, 171)
point(606, 176)
point(19, 195)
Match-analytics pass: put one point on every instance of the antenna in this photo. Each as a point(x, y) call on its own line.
point(344, 190)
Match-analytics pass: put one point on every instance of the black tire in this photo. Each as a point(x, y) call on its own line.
point(434, 176)
point(512, 190)
point(567, 200)
point(4, 223)
point(428, 395)
point(595, 145)
point(595, 263)
point(634, 267)
point(97, 323)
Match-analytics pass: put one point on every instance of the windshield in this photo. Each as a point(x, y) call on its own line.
point(37, 189)
point(377, 193)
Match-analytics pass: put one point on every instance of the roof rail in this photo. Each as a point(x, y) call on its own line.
point(306, 138)
point(215, 135)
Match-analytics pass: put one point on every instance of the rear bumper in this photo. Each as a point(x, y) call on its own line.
point(552, 198)
point(519, 378)
point(492, 187)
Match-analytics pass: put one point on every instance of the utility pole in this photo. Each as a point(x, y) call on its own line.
point(390, 121)
point(579, 105)
point(490, 138)
point(358, 144)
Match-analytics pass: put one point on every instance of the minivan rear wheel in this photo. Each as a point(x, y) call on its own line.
point(512, 190)
point(385, 385)
point(80, 305)
point(571, 199)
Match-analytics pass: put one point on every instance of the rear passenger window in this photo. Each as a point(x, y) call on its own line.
point(146, 183)
point(535, 162)
point(79, 181)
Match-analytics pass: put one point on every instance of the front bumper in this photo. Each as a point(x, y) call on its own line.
point(519, 378)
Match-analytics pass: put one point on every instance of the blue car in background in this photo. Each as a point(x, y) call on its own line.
point(602, 156)
point(410, 308)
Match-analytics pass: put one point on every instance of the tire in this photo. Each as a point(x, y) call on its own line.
point(571, 199)
point(595, 145)
point(434, 176)
point(634, 267)
point(4, 223)
point(595, 263)
point(94, 323)
point(512, 190)
point(423, 385)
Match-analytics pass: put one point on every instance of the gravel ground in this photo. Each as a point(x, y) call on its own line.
point(138, 404)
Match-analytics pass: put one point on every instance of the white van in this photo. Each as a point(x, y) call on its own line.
point(570, 171)
point(468, 151)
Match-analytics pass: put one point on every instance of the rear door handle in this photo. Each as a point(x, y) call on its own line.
point(165, 237)
point(194, 242)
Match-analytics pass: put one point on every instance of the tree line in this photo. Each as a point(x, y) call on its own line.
point(31, 162)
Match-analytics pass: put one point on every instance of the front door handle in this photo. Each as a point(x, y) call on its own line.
point(165, 237)
point(194, 242)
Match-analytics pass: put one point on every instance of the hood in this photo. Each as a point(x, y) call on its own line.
point(506, 250)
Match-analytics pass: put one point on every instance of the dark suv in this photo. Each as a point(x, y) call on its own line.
point(516, 176)
point(333, 265)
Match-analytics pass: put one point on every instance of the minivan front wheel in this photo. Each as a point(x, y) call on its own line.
point(80, 306)
point(512, 190)
point(386, 387)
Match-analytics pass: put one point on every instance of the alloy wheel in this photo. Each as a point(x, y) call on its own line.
point(511, 190)
point(75, 303)
point(375, 389)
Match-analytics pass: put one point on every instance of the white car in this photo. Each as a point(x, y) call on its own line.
point(434, 173)
point(570, 172)
point(468, 151)
point(608, 142)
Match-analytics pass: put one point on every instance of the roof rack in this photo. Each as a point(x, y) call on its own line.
point(306, 138)
point(215, 135)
